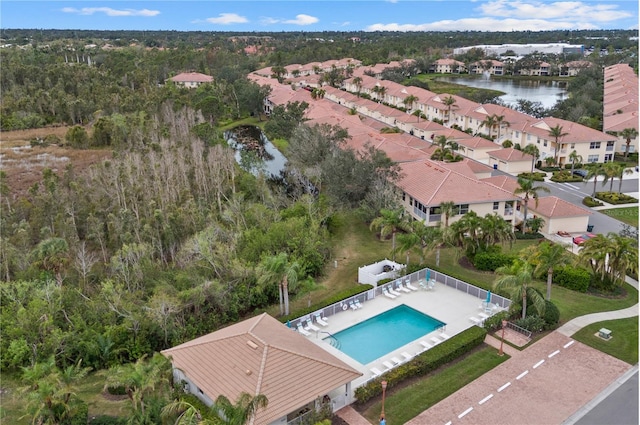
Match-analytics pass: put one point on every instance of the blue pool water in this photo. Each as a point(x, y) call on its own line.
point(384, 333)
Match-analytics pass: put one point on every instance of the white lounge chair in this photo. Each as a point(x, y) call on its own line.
point(393, 291)
point(483, 315)
point(406, 356)
point(302, 330)
point(321, 320)
point(444, 336)
point(402, 288)
point(357, 303)
point(396, 361)
point(352, 305)
point(388, 364)
point(423, 284)
point(435, 340)
point(431, 284)
point(476, 321)
point(425, 345)
point(408, 284)
point(388, 294)
point(375, 372)
point(309, 326)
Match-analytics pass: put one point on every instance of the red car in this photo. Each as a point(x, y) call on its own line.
point(579, 240)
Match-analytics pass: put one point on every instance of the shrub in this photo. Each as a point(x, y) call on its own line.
point(565, 176)
point(520, 235)
point(570, 277)
point(536, 176)
point(119, 390)
point(547, 169)
point(590, 202)
point(616, 198)
point(531, 323)
point(551, 314)
point(494, 322)
point(490, 261)
point(107, 420)
point(424, 363)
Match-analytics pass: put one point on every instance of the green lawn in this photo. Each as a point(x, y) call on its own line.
point(402, 404)
point(623, 344)
point(628, 215)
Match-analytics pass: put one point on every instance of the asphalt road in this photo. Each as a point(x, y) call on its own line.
point(619, 408)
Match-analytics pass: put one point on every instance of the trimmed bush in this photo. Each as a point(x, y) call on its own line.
point(490, 261)
point(520, 235)
point(616, 198)
point(107, 420)
point(347, 293)
point(494, 322)
point(570, 277)
point(565, 176)
point(424, 363)
point(590, 202)
point(536, 176)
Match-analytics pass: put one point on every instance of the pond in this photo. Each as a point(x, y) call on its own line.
point(545, 92)
point(256, 154)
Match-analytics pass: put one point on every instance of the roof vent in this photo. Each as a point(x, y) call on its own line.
point(252, 344)
point(248, 372)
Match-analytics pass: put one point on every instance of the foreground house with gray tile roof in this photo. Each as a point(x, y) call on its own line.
point(262, 356)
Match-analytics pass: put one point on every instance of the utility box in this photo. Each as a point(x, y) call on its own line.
point(604, 333)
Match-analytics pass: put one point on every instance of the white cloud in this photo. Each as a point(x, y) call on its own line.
point(228, 18)
point(484, 24)
point(111, 12)
point(575, 11)
point(268, 21)
point(302, 19)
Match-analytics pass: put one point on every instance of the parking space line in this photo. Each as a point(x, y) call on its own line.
point(554, 353)
point(538, 364)
point(461, 415)
point(484, 400)
point(522, 375)
point(504, 386)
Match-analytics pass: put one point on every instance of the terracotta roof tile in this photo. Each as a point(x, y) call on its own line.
point(261, 356)
point(554, 207)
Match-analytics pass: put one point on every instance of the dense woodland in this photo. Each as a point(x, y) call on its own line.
point(170, 238)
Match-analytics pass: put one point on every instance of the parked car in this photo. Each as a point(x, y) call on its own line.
point(579, 240)
point(582, 173)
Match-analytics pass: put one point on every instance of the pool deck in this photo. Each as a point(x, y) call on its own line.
point(446, 304)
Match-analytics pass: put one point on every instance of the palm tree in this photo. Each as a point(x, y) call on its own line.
point(534, 152)
point(527, 189)
point(417, 113)
point(380, 92)
point(468, 231)
point(622, 170)
point(574, 157)
point(278, 269)
point(446, 150)
point(623, 257)
point(557, 134)
point(517, 279)
point(449, 102)
point(388, 223)
point(494, 229)
point(611, 171)
point(489, 122)
point(628, 134)
point(547, 256)
point(410, 100)
point(447, 209)
point(140, 379)
point(224, 412)
point(500, 121)
point(596, 169)
point(357, 81)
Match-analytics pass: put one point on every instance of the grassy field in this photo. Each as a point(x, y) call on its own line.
point(628, 215)
point(624, 338)
point(405, 403)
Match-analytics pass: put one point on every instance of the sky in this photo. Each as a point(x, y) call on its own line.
point(321, 15)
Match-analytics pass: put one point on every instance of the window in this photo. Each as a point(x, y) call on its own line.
point(404, 195)
point(608, 157)
point(410, 201)
point(517, 134)
point(463, 209)
point(496, 206)
point(529, 137)
point(593, 158)
point(508, 208)
point(610, 145)
point(538, 141)
point(573, 145)
point(545, 142)
point(594, 145)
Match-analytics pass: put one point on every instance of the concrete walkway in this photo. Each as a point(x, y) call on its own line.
point(574, 325)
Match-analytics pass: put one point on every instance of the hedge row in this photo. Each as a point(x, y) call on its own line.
point(520, 235)
point(574, 278)
point(535, 176)
point(347, 293)
point(490, 261)
point(590, 202)
point(616, 198)
point(424, 363)
point(565, 176)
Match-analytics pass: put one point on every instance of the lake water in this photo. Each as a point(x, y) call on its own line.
point(545, 92)
point(261, 156)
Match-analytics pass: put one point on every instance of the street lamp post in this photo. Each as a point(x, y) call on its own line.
point(384, 389)
point(504, 324)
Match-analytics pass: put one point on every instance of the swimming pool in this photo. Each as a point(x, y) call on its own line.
point(384, 333)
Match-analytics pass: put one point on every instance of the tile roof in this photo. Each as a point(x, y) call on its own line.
point(510, 154)
point(432, 183)
point(477, 143)
point(554, 207)
point(261, 356)
point(191, 77)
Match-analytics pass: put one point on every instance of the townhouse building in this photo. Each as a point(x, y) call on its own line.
point(620, 105)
